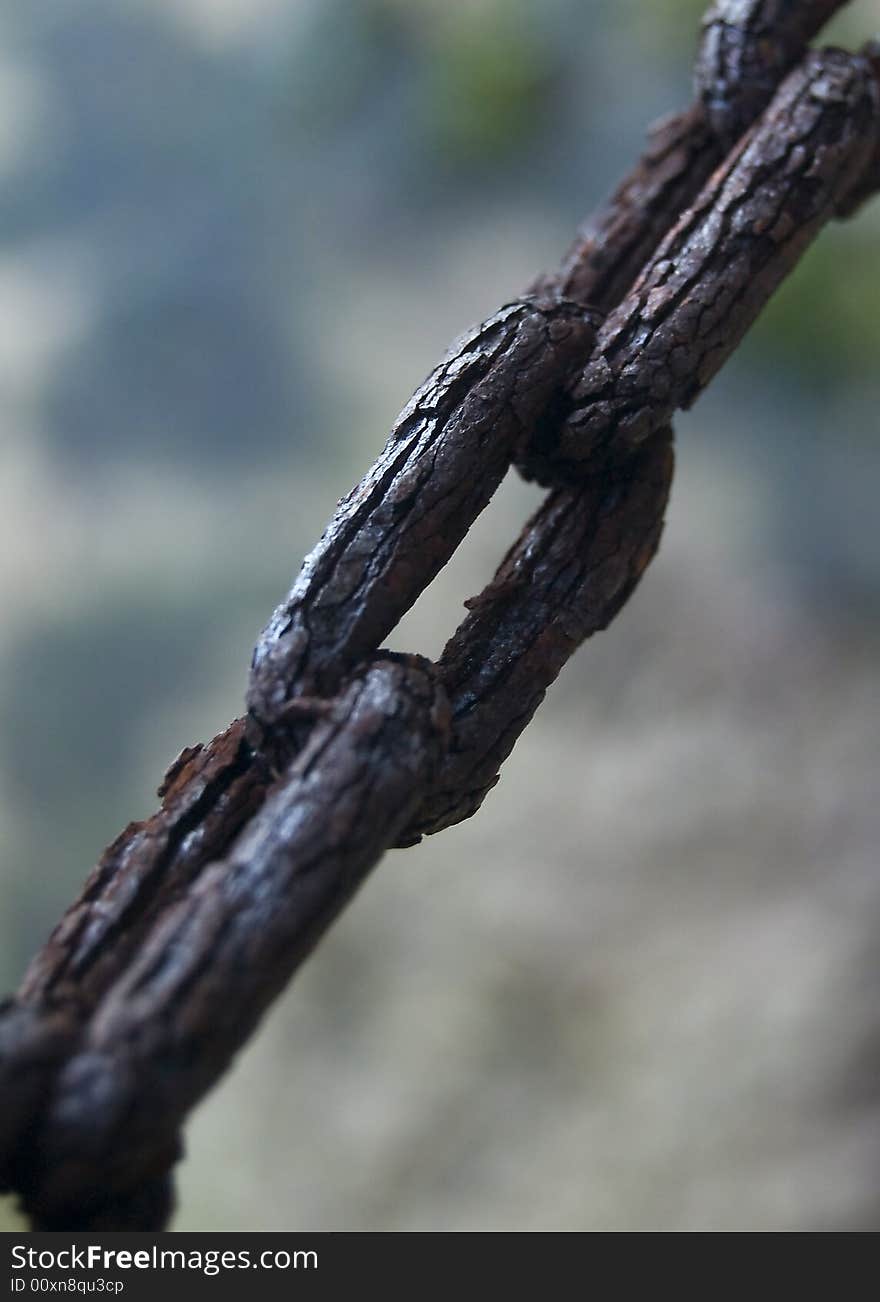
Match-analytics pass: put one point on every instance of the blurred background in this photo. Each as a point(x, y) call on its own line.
point(640, 990)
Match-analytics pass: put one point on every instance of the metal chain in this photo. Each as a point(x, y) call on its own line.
point(195, 920)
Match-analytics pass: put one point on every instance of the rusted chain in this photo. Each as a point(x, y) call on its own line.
point(747, 47)
point(571, 570)
point(447, 454)
point(199, 983)
point(710, 277)
point(194, 920)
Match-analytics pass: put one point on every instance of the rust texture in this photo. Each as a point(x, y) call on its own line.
point(447, 453)
point(194, 920)
point(747, 47)
point(712, 274)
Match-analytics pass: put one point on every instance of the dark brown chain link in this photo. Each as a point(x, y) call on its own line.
point(194, 920)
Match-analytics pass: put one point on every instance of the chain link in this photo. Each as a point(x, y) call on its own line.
point(194, 920)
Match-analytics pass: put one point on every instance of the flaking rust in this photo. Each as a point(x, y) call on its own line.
point(195, 919)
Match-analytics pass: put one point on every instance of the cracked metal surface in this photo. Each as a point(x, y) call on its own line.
point(747, 47)
point(713, 273)
point(195, 919)
point(446, 455)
